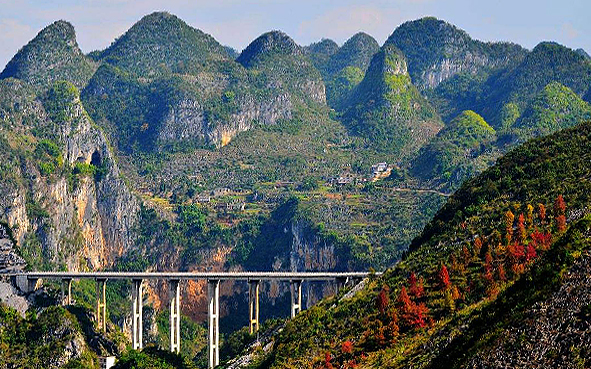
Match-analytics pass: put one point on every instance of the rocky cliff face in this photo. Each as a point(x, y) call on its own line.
point(67, 218)
point(437, 51)
point(553, 333)
point(10, 261)
point(188, 119)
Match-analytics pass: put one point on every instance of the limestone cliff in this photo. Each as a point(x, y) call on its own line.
point(63, 198)
point(437, 51)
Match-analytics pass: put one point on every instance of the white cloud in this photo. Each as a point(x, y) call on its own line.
point(568, 30)
point(341, 23)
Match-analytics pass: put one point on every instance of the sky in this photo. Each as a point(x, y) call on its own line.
point(238, 22)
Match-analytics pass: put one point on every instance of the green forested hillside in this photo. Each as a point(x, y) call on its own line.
point(346, 68)
point(51, 56)
point(546, 63)
point(554, 108)
point(429, 43)
point(160, 43)
point(451, 155)
point(388, 110)
point(500, 244)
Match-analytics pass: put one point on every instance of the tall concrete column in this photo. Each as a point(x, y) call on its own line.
point(341, 282)
point(66, 287)
point(296, 296)
point(175, 316)
point(253, 305)
point(101, 304)
point(137, 314)
point(213, 295)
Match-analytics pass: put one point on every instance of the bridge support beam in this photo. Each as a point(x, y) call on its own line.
point(253, 305)
point(66, 289)
point(175, 316)
point(137, 325)
point(213, 295)
point(296, 296)
point(101, 304)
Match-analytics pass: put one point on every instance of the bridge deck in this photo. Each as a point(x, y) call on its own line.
point(309, 276)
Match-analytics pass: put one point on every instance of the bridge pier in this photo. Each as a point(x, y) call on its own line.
point(101, 304)
point(213, 295)
point(253, 305)
point(341, 283)
point(296, 296)
point(66, 289)
point(137, 314)
point(175, 316)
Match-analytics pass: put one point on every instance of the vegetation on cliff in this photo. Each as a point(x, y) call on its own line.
point(388, 110)
point(449, 155)
point(53, 338)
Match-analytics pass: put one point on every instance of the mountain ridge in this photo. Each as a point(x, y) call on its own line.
point(53, 54)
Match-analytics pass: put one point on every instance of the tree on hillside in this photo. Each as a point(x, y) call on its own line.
point(509, 219)
point(521, 231)
point(477, 247)
point(415, 286)
point(542, 213)
point(443, 276)
point(559, 213)
point(383, 299)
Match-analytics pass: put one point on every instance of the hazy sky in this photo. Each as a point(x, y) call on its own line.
point(237, 22)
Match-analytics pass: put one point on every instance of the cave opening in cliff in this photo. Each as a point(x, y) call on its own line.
point(95, 159)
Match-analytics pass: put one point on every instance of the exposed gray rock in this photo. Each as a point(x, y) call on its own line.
point(554, 333)
point(10, 297)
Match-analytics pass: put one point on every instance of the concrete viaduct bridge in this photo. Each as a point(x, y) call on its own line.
point(29, 282)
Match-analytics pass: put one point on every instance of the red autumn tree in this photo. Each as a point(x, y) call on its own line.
point(419, 316)
point(413, 314)
point(444, 280)
point(559, 206)
point(541, 240)
point(383, 299)
point(561, 223)
point(347, 347)
point(530, 253)
point(327, 359)
point(404, 300)
point(416, 286)
point(559, 213)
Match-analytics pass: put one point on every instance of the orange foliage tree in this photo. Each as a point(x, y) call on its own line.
point(383, 299)
point(415, 286)
point(559, 213)
point(443, 277)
